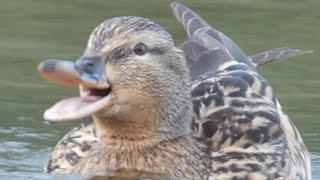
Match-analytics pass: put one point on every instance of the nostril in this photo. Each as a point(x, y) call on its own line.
point(88, 63)
point(88, 66)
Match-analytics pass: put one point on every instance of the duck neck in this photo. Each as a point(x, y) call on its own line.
point(145, 129)
point(125, 135)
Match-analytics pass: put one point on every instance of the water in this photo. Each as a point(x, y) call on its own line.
point(34, 30)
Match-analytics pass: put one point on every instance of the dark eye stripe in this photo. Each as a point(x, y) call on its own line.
point(157, 50)
point(122, 52)
point(119, 53)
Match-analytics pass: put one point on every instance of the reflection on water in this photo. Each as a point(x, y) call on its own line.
point(33, 30)
point(315, 165)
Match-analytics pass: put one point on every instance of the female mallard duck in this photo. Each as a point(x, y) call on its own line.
point(135, 83)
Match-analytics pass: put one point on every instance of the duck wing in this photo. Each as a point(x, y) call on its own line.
point(236, 111)
point(205, 43)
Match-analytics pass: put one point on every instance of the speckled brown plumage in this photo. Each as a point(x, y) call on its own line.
point(238, 128)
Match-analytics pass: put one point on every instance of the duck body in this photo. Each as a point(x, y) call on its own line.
point(118, 160)
point(235, 136)
point(238, 129)
point(249, 134)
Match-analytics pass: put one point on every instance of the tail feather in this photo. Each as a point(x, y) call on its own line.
point(276, 55)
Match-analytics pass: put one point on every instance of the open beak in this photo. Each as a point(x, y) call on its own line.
point(94, 88)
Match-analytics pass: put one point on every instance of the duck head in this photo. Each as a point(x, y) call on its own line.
point(133, 81)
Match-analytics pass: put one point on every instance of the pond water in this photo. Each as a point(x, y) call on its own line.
point(34, 30)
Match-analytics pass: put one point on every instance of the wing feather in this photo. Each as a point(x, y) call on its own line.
point(209, 38)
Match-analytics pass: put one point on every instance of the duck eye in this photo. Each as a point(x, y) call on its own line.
point(140, 49)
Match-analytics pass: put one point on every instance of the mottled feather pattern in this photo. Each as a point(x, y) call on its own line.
point(236, 110)
point(80, 151)
point(237, 113)
point(240, 130)
point(72, 147)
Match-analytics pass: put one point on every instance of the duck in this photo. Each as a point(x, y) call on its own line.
point(197, 111)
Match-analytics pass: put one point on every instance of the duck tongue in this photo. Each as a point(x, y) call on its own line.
point(75, 108)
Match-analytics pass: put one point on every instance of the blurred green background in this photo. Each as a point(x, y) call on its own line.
point(34, 30)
